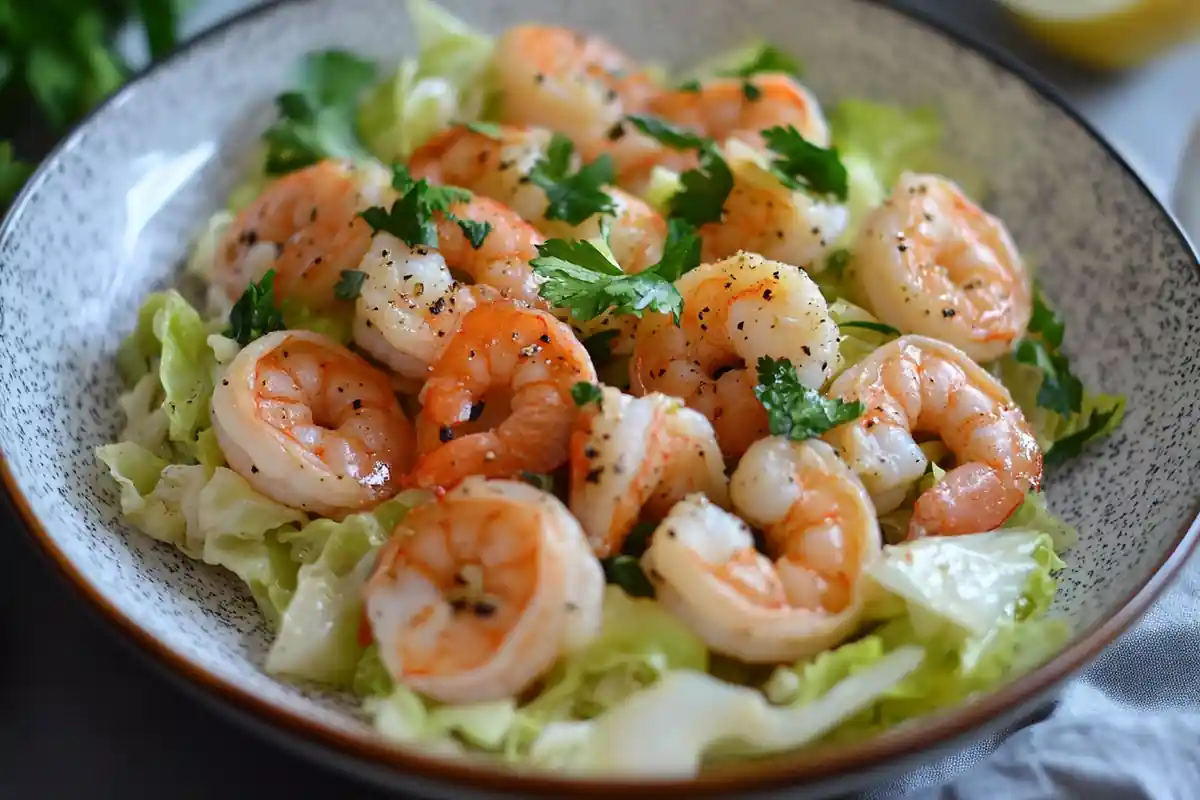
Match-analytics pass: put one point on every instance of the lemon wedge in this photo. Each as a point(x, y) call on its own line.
point(1108, 34)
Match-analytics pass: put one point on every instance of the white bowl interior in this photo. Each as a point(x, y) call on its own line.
point(109, 219)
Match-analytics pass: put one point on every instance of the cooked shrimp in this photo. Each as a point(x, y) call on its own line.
point(477, 594)
point(763, 216)
point(410, 304)
point(929, 261)
point(820, 530)
point(306, 227)
point(311, 425)
point(498, 401)
point(498, 167)
point(574, 83)
point(918, 385)
point(734, 312)
point(632, 454)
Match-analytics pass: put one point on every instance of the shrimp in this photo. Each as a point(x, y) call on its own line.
point(632, 454)
point(919, 385)
point(735, 311)
point(931, 262)
point(764, 216)
point(311, 425)
point(573, 83)
point(477, 594)
point(820, 531)
point(498, 167)
point(498, 401)
point(410, 304)
point(306, 227)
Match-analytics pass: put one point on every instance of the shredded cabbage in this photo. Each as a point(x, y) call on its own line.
point(447, 82)
point(663, 185)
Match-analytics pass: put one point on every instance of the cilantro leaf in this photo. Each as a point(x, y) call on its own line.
point(488, 129)
point(410, 218)
point(681, 251)
point(750, 91)
point(1060, 391)
point(667, 134)
point(1046, 322)
point(878, 327)
point(255, 314)
point(804, 165)
point(690, 86)
point(475, 232)
point(1070, 446)
point(583, 393)
point(537, 479)
point(794, 410)
point(572, 198)
point(704, 190)
point(349, 286)
point(768, 59)
point(317, 121)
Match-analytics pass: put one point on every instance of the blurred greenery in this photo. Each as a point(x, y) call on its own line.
point(57, 62)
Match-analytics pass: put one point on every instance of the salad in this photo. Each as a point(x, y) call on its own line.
point(581, 416)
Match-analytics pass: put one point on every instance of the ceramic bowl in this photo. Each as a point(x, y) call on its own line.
point(109, 215)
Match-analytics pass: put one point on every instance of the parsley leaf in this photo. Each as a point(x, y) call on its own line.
point(667, 134)
point(572, 198)
point(768, 59)
point(255, 314)
point(804, 165)
point(1071, 446)
point(626, 572)
point(317, 121)
point(1046, 322)
point(600, 346)
point(583, 393)
point(681, 251)
point(878, 327)
point(488, 129)
point(349, 286)
point(537, 479)
point(690, 86)
point(750, 91)
point(794, 410)
point(1060, 391)
point(475, 232)
point(704, 190)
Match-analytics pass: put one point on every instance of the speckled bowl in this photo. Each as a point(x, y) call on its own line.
point(108, 217)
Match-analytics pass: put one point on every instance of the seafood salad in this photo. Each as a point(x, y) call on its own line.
point(580, 415)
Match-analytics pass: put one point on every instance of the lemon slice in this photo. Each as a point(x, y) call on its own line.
point(1108, 34)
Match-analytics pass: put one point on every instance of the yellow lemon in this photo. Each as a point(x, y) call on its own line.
point(1108, 34)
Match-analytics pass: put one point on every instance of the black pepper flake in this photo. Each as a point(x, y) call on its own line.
point(806, 349)
point(459, 604)
point(766, 294)
point(476, 411)
point(445, 433)
point(590, 452)
point(948, 312)
point(225, 382)
point(593, 475)
point(616, 132)
point(253, 469)
point(610, 96)
point(539, 78)
point(484, 609)
point(545, 337)
point(437, 306)
point(902, 248)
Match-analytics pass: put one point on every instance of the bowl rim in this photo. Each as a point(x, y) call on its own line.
point(812, 767)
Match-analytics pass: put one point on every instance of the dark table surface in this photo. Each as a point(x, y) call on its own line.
point(82, 715)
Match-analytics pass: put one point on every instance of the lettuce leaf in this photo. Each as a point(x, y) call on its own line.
point(318, 635)
point(447, 82)
point(861, 333)
point(975, 604)
point(638, 644)
point(878, 142)
point(668, 729)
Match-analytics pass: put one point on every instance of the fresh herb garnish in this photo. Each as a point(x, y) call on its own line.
point(1060, 391)
point(538, 479)
point(582, 278)
point(410, 218)
point(768, 59)
point(626, 572)
point(349, 286)
point(600, 346)
point(750, 91)
point(583, 393)
point(667, 134)
point(475, 232)
point(878, 327)
point(804, 165)
point(572, 198)
point(701, 198)
point(317, 120)
point(794, 410)
point(255, 314)
point(837, 261)
point(690, 86)
point(1071, 446)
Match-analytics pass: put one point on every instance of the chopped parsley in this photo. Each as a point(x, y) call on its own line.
point(583, 393)
point(1060, 391)
point(768, 59)
point(572, 198)
point(624, 569)
point(667, 134)
point(410, 218)
point(691, 86)
point(1071, 446)
point(701, 198)
point(584, 279)
point(538, 480)
point(794, 410)
point(349, 286)
point(488, 129)
point(255, 314)
point(475, 232)
point(750, 91)
point(878, 327)
point(837, 261)
point(804, 165)
point(317, 120)
point(600, 346)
